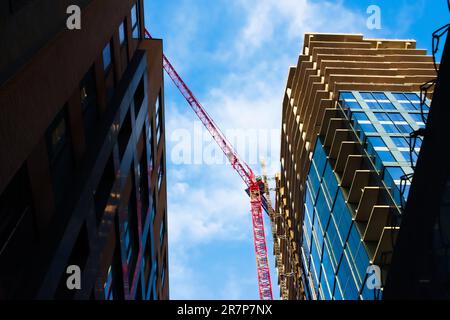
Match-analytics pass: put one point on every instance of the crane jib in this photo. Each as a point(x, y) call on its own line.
point(258, 202)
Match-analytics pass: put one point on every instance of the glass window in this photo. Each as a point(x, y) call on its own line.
point(373, 105)
point(386, 156)
point(404, 128)
point(162, 230)
point(387, 106)
point(381, 116)
point(324, 286)
point(351, 290)
point(57, 136)
point(396, 116)
point(314, 180)
point(319, 158)
point(366, 95)
point(313, 266)
point(395, 172)
point(368, 128)
point(309, 203)
point(376, 142)
point(107, 57)
point(413, 97)
point(347, 95)
point(327, 267)
point(352, 105)
point(342, 215)
point(88, 92)
point(400, 142)
point(158, 117)
point(334, 242)
point(379, 96)
point(344, 273)
point(354, 240)
point(408, 106)
point(161, 171)
point(323, 210)
point(390, 128)
point(416, 117)
point(122, 36)
point(330, 182)
point(399, 96)
point(135, 21)
point(360, 116)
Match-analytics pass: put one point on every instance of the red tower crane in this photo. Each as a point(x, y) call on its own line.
point(244, 171)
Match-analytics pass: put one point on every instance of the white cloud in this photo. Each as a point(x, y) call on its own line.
point(290, 19)
point(213, 212)
point(207, 204)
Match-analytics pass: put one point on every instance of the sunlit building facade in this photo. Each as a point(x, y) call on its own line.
point(349, 107)
point(353, 199)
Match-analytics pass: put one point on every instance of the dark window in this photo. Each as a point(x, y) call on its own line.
point(59, 146)
point(139, 97)
point(135, 30)
point(109, 72)
point(123, 45)
point(17, 233)
point(139, 291)
point(163, 273)
point(88, 92)
point(103, 191)
point(162, 229)
point(124, 135)
point(132, 231)
point(161, 172)
point(143, 181)
point(151, 146)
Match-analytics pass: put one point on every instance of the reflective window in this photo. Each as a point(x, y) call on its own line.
point(395, 116)
point(400, 142)
point(413, 97)
point(373, 105)
point(381, 116)
point(386, 156)
point(330, 183)
point(368, 128)
point(107, 54)
point(122, 36)
point(399, 96)
point(323, 209)
point(135, 21)
point(347, 95)
point(376, 142)
point(379, 96)
point(319, 159)
point(366, 95)
point(390, 128)
point(360, 116)
point(387, 105)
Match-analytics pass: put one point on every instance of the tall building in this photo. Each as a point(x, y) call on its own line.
point(82, 156)
point(348, 111)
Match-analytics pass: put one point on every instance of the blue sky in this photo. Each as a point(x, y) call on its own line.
point(235, 56)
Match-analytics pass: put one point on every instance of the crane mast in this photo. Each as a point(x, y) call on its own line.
point(244, 171)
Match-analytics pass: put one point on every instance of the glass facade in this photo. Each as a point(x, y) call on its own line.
point(334, 257)
point(384, 122)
